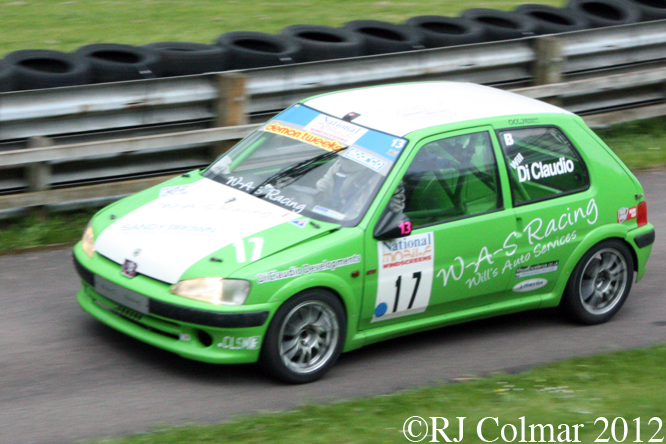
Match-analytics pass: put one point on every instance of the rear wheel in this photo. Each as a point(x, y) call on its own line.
point(600, 283)
point(305, 337)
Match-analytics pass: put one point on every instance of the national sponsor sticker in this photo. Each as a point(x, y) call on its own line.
point(178, 190)
point(530, 285)
point(625, 214)
point(533, 270)
point(336, 129)
point(404, 281)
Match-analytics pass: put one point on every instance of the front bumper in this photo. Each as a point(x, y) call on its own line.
point(208, 336)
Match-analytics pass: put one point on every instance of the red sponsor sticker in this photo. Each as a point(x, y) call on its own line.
point(625, 214)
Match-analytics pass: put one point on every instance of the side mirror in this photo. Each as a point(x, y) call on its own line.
point(392, 226)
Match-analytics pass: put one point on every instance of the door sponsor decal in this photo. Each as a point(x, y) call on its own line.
point(533, 270)
point(530, 285)
point(404, 281)
point(544, 236)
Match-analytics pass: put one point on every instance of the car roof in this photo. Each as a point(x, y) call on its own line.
point(400, 109)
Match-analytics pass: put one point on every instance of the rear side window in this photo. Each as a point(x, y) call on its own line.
point(542, 163)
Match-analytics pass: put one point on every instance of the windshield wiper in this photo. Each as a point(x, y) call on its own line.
point(299, 169)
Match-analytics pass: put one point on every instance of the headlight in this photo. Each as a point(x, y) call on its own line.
point(214, 290)
point(88, 241)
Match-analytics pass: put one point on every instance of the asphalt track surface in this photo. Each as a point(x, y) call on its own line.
point(66, 377)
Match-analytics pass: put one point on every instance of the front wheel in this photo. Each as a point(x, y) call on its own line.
point(305, 337)
point(600, 283)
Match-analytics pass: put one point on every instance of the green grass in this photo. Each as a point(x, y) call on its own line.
point(639, 144)
point(39, 230)
point(67, 25)
point(577, 391)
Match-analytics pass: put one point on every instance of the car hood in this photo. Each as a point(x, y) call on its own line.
point(186, 223)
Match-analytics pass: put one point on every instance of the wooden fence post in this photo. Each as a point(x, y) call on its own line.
point(548, 64)
point(230, 106)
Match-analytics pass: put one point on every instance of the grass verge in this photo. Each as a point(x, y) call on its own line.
point(67, 25)
point(42, 229)
point(625, 385)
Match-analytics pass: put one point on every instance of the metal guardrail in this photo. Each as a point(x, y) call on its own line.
point(608, 74)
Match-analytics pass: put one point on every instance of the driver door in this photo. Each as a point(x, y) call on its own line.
point(452, 259)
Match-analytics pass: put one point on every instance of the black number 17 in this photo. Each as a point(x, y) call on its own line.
point(417, 276)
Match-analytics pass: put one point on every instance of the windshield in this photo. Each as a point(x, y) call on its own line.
point(311, 163)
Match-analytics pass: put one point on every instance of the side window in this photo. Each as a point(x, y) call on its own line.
point(451, 178)
point(542, 163)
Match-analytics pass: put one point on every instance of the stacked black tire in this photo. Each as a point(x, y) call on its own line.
point(112, 62)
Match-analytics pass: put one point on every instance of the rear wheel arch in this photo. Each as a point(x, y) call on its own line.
point(600, 281)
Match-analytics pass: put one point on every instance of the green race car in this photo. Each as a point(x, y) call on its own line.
point(367, 214)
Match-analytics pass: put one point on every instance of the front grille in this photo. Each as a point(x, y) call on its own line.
point(127, 312)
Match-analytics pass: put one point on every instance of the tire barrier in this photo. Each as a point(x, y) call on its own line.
point(502, 25)
point(650, 9)
point(114, 62)
point(251, 49)
point(552, 20)
point(440, 31)
point(321, 42)
point(185, 58)
point(111, 62)
point(603, 13)
point(42, 68)
point(383, 37)
point(7, 77)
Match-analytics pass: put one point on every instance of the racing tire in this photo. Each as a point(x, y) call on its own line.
point(502, 25)
point(305, 337)
point(325, 43)
point(384, 38)
point(600, 283)
point(650, 9)
point(43, 68)
point(440, 31)
point(552, 20)
point(603, 13)
point(253, 49)
point(7, 77)
point(115, 62)
point(185, 58)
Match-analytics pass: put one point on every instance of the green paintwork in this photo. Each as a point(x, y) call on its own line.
point(475, 258)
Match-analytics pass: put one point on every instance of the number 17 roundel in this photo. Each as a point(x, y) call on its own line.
point(405, 276)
